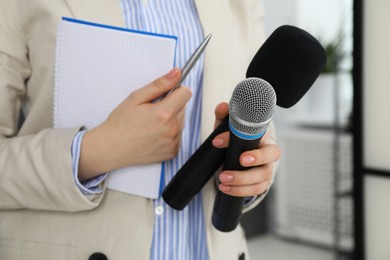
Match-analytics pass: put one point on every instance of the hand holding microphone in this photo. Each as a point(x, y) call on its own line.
point(251, 109)
point(256, 179)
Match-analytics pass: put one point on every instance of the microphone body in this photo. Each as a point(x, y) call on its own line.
point(251, 109)
point(227, 209)
point(203, 163)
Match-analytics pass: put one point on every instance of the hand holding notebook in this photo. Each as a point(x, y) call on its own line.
point(97, 67)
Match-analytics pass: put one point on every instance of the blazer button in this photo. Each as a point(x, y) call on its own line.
point(98, 256)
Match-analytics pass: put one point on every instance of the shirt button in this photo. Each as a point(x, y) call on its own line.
point(159, 210)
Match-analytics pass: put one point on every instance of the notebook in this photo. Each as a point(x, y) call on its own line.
point(98, 66)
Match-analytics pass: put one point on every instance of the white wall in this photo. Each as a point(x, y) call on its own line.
point(320, 18)
point(324, 20)
point(376, 130)
point(279, 12)
point(376, 91)
point(376, 216)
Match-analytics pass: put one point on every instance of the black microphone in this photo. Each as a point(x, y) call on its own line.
point(251, 109)
point(290, 60)
point(196, 172)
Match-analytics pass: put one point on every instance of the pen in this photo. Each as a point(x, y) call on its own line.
point(190, 63)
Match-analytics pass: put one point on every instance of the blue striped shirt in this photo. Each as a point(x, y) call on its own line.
point(178, 235)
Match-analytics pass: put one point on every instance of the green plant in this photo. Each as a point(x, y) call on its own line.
point(335, 54)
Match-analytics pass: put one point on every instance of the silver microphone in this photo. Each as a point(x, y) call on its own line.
point(252, 106)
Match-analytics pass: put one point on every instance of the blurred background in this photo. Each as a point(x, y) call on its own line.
point(331, 195)
point(309, 211)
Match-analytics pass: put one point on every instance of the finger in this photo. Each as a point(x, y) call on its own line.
point(221, 140)
point(248, 177)
point(266, 138)
point(156, 88)
point(267, 153)
point(244, 191)
point(177, 99)
point(221, 111)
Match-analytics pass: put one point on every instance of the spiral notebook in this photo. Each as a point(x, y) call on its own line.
point(98, 66)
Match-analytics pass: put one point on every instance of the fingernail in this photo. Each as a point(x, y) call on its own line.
point(217, 142)
point(224, 188)
point(172, 74)
point(224, 177)
point(248, 159)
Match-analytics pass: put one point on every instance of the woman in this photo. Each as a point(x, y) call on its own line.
point(49, 210)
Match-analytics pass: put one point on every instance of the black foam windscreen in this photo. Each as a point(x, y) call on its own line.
point(290, 60)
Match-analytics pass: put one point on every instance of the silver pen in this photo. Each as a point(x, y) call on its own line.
point(190, 63)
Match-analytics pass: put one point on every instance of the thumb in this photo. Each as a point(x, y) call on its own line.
point(221, 111)
point(156, 88)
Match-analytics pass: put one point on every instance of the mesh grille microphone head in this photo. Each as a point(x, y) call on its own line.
point(252, 106)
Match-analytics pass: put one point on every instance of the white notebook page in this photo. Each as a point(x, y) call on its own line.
point(98, 66)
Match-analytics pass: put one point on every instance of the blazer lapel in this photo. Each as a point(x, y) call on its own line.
point(212, 81)
point(237, 28)
point(225, 56)
point(100, 11)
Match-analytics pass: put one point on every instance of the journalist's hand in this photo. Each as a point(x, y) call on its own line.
point(256, 180)
point(138, 131)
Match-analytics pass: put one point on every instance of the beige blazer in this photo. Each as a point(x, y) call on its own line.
point(43, 215)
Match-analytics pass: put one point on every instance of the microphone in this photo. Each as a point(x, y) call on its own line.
point(290, 60)
point(251, 109)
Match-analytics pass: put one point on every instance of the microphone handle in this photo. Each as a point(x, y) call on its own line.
point(227, 209)
point(196, 172)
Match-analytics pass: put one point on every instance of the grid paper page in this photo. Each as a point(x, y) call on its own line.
point(97, 67)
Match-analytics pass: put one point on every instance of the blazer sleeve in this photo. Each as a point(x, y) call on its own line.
point(35, 170)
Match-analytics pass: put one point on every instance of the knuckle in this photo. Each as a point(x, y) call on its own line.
point(187, 92)
point(262, 159)
point(170, 153)
point(172, 134)
point(175, 129)
point(159, 84)
point(184, 90)
point(278, 151)
point(164, 116)
point(238, 192)
point(173, 146)
point(259, 189)
point(173, 151)
point(268, 172)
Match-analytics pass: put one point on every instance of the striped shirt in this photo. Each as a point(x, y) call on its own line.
point(178, 235)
